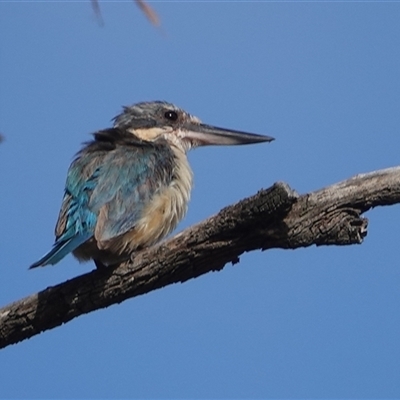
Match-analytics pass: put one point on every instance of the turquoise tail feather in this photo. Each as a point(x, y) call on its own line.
point(60, 250)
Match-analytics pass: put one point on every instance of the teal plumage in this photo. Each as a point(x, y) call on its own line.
point(130, 185)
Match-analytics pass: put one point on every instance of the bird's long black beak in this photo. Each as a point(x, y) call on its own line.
point(204, 135)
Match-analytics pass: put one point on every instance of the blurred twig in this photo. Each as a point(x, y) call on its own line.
point(144, 7)
point(97, 11)
point(149, 12)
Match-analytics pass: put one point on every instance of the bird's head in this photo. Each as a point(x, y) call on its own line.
point(152, 121)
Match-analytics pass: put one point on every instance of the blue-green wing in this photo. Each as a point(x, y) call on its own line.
point(107, 188)
point(127, 181)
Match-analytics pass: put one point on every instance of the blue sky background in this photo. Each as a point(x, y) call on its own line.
point(323, 79)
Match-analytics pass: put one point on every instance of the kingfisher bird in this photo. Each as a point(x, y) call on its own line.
point(130, 186)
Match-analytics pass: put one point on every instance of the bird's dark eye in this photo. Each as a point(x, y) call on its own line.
point(171, 115)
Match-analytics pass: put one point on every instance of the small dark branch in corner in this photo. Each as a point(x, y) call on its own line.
point(273, 218)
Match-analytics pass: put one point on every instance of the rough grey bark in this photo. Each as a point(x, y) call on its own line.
point(273, 218)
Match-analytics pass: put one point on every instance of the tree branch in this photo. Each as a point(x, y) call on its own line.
point(273, 218)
